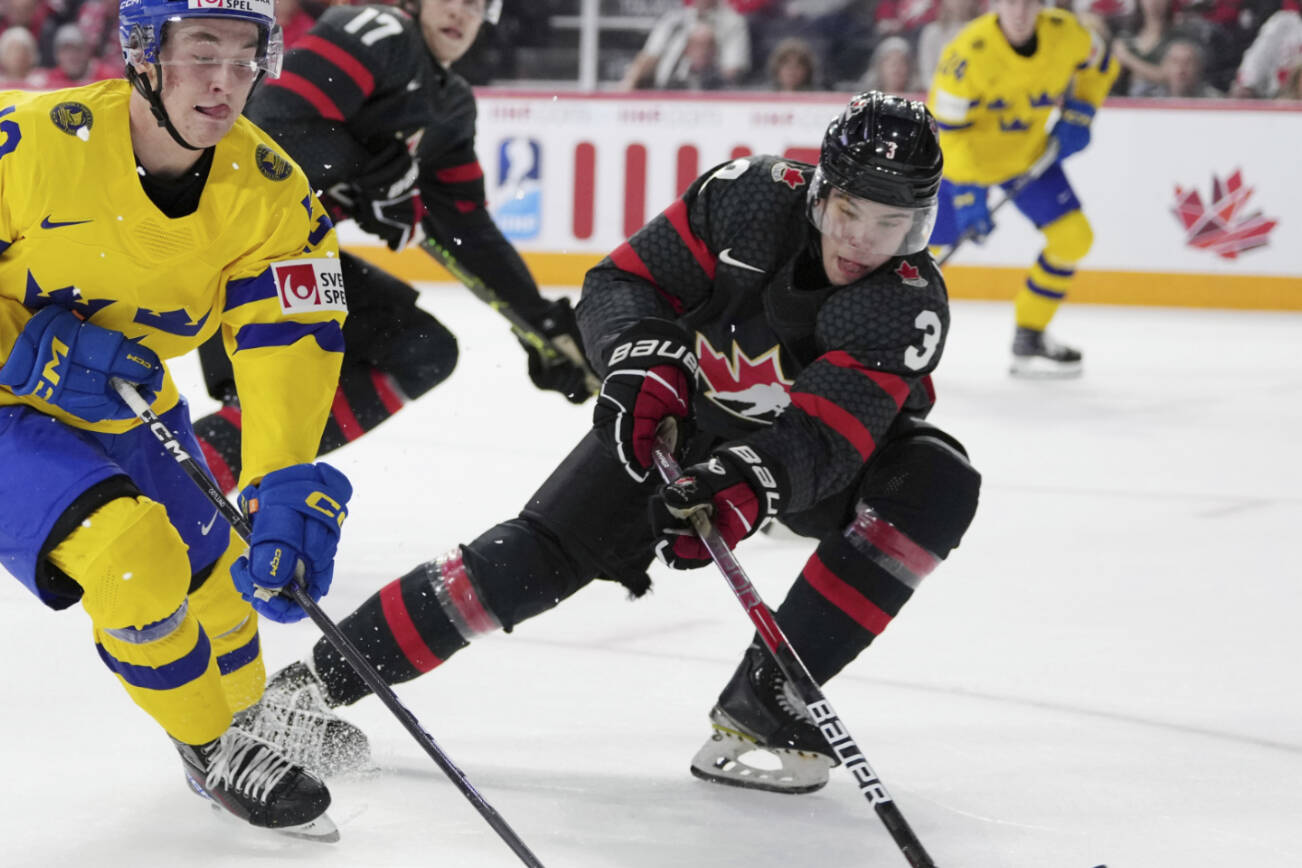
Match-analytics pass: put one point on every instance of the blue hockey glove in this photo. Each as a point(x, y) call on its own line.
point(67, 362)
point(972, 211)
point(1073, 129)
point(296, 513)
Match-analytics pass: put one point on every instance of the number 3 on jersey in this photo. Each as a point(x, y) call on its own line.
point(929, 324)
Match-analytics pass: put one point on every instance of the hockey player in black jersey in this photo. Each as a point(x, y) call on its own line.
point(788, 316)
point(369, 109)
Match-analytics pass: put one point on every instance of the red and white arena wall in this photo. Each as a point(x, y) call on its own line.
point(1193, 203)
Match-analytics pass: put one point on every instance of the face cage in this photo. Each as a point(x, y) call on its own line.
point(863, 232)
point(141, 47)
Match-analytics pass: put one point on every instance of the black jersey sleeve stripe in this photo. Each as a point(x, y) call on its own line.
point(309, 92)
point(345, 62)
point(457, 174)
point(839, 419)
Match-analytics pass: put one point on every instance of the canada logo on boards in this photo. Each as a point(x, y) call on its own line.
point(306, 285)
point(1222, 224)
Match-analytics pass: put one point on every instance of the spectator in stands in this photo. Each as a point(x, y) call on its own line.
point(1141, 45)
point(1183, 69)
point(663, 51)
point(1292, 86)
point(72, 59)
point(903, 17)
point(37, 18)
point(951, 15)
point(18, 58)
point(1272, 55)
point(792, 66)
point(892, 68)
point(1225, 29)
point(698, 67)
point(98, 20)
point(294, 21)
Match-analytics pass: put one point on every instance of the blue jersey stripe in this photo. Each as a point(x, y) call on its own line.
point(1056, 272)
point(172, 675)
point(240, 657)
point(250, 289)
point(329, 336)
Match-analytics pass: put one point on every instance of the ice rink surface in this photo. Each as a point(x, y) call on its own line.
point(1099, 675)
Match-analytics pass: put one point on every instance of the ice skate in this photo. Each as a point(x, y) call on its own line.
point(1037, 355)
point(763, 738)
point(294, 716)
point(250, 780)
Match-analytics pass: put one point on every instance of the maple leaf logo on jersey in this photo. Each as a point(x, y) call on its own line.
point(910, 275)
point(752, 389)
point(784, 173)
point(1221, 226)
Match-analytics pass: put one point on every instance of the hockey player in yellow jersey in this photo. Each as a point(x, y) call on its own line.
point(996, 87)
point(137, 219)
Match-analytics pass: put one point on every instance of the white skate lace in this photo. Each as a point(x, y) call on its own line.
point(245, 764)
point(294, 720)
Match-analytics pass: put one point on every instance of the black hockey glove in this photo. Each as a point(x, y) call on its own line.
point(386, 198)
point(555, 370)
point(651, 375)
point(736, 486)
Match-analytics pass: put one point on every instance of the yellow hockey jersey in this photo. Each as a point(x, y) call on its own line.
point(258, 259)
point(992, 104)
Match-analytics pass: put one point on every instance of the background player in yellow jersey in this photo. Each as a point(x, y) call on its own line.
point(138, 218)
point(997, 85)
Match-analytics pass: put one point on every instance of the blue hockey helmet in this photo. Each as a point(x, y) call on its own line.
point(141, 24)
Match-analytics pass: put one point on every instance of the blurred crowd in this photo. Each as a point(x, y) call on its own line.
point(1167, 48)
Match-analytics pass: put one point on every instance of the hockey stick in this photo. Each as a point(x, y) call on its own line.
point(1038, 168)
point(333, 634)
point(551, 349)
point(827, 720)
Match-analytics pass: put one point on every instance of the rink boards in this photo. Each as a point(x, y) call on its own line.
point(1192, 203)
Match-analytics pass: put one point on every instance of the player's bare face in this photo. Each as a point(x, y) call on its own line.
point(856, 233)
point(1017, 19)
point(208, 71)
point(450, 27)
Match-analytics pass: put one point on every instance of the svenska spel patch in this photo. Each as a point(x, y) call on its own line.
point(308, 285)
point(266, 8)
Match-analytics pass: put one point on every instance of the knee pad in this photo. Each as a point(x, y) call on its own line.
point(1068, 239)
point(421, 356)
point(130, 562)
point(923, 484)
point(521, 570)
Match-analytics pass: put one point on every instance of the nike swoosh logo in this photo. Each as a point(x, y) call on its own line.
point(203, 529)
point(725, 256)
point(47, 223)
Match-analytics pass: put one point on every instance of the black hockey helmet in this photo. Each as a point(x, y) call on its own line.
point(883, 149)
point(492, 9)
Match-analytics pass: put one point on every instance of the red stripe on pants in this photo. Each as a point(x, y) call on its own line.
point(404, 629)
point(839, 593)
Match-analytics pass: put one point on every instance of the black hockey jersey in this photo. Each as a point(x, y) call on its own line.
point(361, 79)
point(812, 374)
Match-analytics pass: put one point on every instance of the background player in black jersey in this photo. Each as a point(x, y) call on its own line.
point(368, 107)
point(788, 317)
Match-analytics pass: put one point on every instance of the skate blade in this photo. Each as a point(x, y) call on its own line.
point(1040, 368)
point(724, 760)
point(322, 830)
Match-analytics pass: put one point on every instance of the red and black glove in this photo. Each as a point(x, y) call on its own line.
point(737, 487)
point(385, 198)
point(651, 375)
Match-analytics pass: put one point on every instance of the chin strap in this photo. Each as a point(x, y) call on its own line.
point(141, 84)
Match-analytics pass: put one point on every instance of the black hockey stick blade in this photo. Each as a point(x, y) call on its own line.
point(333, 634)
point(820, 710)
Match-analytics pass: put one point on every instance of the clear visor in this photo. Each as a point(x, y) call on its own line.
point(872, 227)
point(203, 56)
